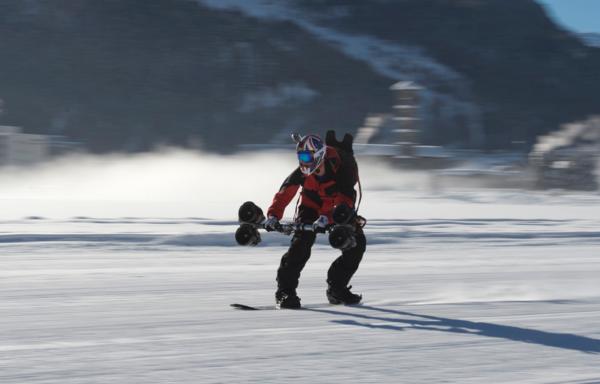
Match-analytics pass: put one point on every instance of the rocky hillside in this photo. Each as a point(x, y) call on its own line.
point(132, 74)
point(591, 39)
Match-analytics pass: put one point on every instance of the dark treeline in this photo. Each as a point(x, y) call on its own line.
point(132, 74)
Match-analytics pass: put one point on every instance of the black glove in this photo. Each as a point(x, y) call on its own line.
point(272, 224)
point(321, 224)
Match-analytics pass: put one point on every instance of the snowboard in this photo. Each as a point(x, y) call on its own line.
point(244, 307)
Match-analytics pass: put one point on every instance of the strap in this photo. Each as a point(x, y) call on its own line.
point(359, 196)
point(296, 209)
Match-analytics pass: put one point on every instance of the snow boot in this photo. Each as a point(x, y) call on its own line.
point(287, 300)
point(342, 295)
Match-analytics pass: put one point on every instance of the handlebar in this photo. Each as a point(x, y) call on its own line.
point(289, 228)
point(341, 234)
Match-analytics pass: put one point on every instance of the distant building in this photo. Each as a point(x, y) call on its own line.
point(407, 117)
point(60, 145)
point(398, 134)
point(18, 148)
point(568, 158)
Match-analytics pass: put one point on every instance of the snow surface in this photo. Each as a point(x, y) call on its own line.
point(591, 39)
point(393, 60)
point(121, 270)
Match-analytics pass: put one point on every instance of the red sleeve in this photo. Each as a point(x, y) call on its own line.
point(287, 192)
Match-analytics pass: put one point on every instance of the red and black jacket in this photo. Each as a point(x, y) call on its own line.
point(319, 194)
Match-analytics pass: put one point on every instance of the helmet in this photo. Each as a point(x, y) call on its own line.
point(311, 152)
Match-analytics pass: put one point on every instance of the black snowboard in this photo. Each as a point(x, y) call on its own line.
point(244, 307)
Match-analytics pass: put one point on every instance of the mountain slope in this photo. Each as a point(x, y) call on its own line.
point(523, 72)
point(591, 39)
point(131, 74)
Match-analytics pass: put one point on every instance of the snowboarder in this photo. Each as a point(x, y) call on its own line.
point(327, 175)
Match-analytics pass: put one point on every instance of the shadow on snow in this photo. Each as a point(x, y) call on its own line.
point(442, 324)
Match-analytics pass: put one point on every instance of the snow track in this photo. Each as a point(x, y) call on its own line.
point(136, 300)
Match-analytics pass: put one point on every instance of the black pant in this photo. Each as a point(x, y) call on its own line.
point(294, 260)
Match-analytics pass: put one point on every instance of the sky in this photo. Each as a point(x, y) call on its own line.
point(577, 15)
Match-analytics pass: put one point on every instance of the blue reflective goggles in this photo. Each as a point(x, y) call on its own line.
point(305, 156)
